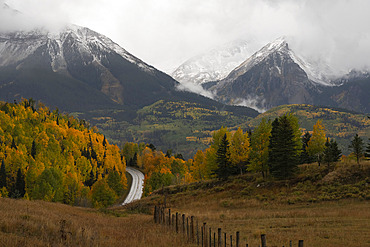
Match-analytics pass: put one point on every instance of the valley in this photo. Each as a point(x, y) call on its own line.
point(260, 135)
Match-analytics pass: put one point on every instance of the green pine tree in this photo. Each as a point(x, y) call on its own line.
point(134, 160)
point(305, 158)
point(357, 147)
point(336, 152)
point(2, 175)
point(19, 188)
point(283, 151)
point(223, 170)
point(367, 151)
point(33, 149)
point(13, 144)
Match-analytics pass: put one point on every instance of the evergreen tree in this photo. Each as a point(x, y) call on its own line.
point(168, 153)
point(33, 149)
point(283, 152)
point(104, 142)
point(152, 147)
point(305, 158)
point(13, 144)
point(357, 147)
point(223, 170)
point(2, 175)
point(179, 156)
point(134, 160)
point(367, 151)
point(336, 152)
point(19, 188)
point(331, 153)
point(91, 179)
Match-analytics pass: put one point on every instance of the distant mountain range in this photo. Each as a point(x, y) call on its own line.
point(275, 75)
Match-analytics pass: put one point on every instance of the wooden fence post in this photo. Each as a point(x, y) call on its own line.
point(173, 220)
point(159, 214)
point(219, 237)
point(183, 224)
point(197, 232)
point(162, 214)
point(169, 217)
point(237, 239)
point(231, 240)
point(155, 214)
point(192, 229)
point(177, 222)
point(201, 239)
point(204, 241)
point(214, 239)
point(263, 240)
point(210, 237)
point(290, 243)
point(300, 243)
point(187, 228)
point(225, 238)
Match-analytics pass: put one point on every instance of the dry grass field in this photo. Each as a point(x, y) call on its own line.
point(36, 223)
point(332, 211)
point(325, 209)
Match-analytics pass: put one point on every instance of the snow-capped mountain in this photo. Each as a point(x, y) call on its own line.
point(82, 62)
point(276, 75)
point(272, 76)
point(17, 46)
point(213, 65)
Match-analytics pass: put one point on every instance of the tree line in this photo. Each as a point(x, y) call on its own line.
point(274, 148)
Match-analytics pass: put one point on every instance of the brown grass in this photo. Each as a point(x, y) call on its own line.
point(36, 223)
point(279, 214)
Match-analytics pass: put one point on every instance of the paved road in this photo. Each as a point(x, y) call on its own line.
point(136, 190)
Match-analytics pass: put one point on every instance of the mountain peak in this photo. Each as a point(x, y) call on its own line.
point(214, 64)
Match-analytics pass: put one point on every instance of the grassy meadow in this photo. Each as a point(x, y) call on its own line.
point(37, 223)
point(323, 208)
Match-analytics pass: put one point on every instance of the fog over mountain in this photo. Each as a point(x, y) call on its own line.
point(165, 33)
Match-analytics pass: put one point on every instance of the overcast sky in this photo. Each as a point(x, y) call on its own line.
point(164, 33)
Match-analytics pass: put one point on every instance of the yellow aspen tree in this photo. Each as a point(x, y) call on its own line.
point(316, 144)
point(197, 167)
point(239, 149)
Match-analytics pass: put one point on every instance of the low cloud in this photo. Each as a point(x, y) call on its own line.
point(195, 88)
point(254, 102)
point(48, 17)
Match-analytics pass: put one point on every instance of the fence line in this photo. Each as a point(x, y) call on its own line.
point(190, 231)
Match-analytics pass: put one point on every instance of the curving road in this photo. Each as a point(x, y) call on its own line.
point(136, 190)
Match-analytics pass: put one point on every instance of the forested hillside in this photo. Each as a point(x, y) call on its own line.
point(56, 157)
point(340, 124)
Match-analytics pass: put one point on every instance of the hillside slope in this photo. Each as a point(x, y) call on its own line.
point(340, 124)
point(49, 156)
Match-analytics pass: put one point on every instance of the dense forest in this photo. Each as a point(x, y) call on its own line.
point(55, 157)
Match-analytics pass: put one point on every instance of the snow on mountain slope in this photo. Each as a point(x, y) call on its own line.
point(16, 46)
point(213, 65)
point(319, 73)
